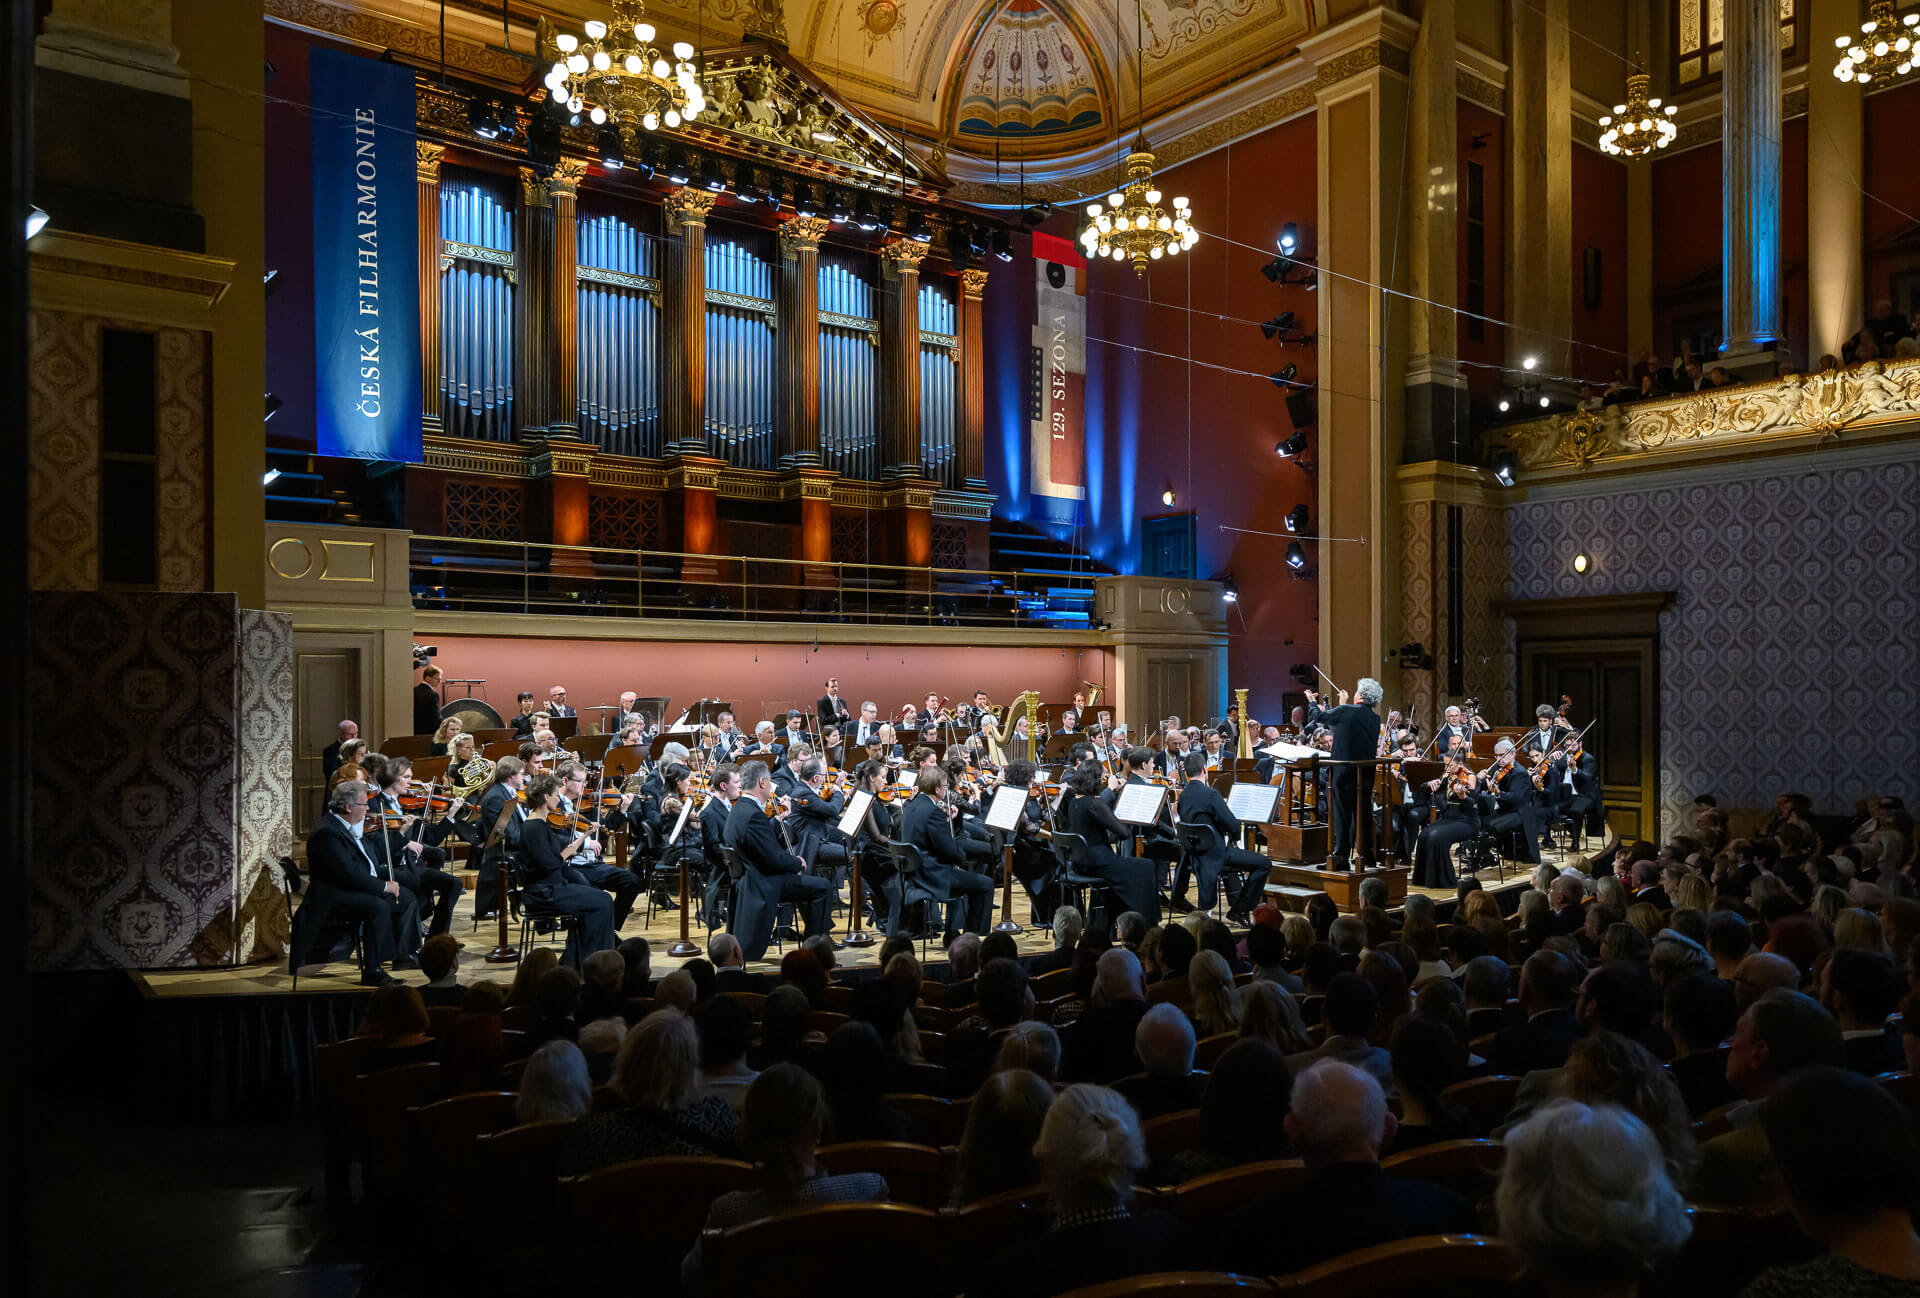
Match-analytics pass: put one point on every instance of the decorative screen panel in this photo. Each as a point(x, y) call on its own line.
point(938, 372)
point(476, 307)
point(619, 296)
point(1700, 30)
point(849, 368)
point(740, 359)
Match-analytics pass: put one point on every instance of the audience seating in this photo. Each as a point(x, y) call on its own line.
point(895, 1240)
point(380, 1107)
point(1486, 1100)
point(1728, 1248)
point(934, 1120)
point(1207, 1051)
point(1054, 982)
point(526, 1157)
point(824, 1021)
point(1170, 1133)
point(1185, 1284)
point(335, 1065)
point(1427, 1266)
point(926, 1079)
point(444, 1132)
point(1905, 1088)
point(1205, 1199)
point(1472, 1167)
point(664, 1198)
point(1715, 1122)
point(917, 1174)
point(999, 1221)
point(441, 1018)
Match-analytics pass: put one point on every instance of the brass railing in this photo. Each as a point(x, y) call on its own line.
point(464, 575)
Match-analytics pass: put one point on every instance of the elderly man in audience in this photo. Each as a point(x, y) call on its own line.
point(1339, 1121)
point(1777, 1036)
point(1067, 927)
point(1547, 982)
point(729, 964)
point(1164, 1043)
point(1585, 1200)
point(1350, 1010)
point(1762, 972)
point(1099, 1044)
point(963, 958)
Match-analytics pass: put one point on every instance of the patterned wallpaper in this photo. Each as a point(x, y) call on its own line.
point(1487, 651)
point(137, 836)
point(64, 472)
point(1790, 659)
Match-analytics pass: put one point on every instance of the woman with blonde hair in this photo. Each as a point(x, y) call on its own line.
point(997, 1148)
point(1858, 928)
point(1607, 1068)
point(1693, 893)
point(1216, 1001)
point(1297, 929)
point(1646, 917)
point(443, 737)
point(1828, 901)
point(1269, 1012)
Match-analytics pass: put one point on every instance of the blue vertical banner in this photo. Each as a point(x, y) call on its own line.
point(366, 275)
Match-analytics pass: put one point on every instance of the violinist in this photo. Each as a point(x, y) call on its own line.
point(690, 847)
point(1134, 879)
point(1104, 750)
point(876, 830)
point(1201, 804)
point(815, 816)
point(443, 737)
point(501, 819)
point(1416, 801)
point(588, 824)
point(410, 843)
point(1455, 800)
point(345, 878)
point(926, 822)
point(553, 878)
point(725, 782)
point(786, 776)
point(1033, 862)
point(770, 873)
point(833, 747)
point(1573, 786)
point(963, 794)
point(1548, 730)
point(1507, 804)
point(1158, 839)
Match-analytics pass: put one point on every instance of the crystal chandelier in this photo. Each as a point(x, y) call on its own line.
point(1132, 225)
point(614, 73)
point(1639, 126)
point(1885, 49)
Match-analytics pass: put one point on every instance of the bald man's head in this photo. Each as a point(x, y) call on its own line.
point(1761, 972)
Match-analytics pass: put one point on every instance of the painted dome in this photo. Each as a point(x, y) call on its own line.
point(1028, 76)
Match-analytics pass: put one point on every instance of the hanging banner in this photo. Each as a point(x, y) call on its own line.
point(366, 281)
point(1057, 407)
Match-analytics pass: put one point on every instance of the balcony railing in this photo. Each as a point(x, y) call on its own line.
point(477, 576)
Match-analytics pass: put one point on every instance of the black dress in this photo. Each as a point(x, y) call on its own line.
point(1459, 820)
point(1134, 879)
point(550, 880)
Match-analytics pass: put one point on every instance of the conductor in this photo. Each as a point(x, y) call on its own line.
point(1356, 738)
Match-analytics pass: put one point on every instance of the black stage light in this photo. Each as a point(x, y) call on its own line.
point(1280, 324)
point(1297, 519)
point(613, 155)
point(1003, 243)
point(1296, 557)
point(863, 214)
point(918, 230)
point(1292, 446)
point(1503, 467)
point(1289, 238)
point(1283, 377)
point(678, 170)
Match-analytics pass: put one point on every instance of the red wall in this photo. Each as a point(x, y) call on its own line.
point(752, 677)
point(1600, 222)
point(1482, 359)
point(1686, 238)
point(1892, 185)
point(1206, 428)
point(1793, 236)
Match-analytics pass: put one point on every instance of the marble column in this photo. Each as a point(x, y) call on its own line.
point(684, 400)
point(427, 207)
point(1539, 253)
point(798, 405)
point(1750, 184)
point(1836, 262)
point(533, 305)
point(900, 359)
point(563, 187)
point(1436, 395)
point(970, 414)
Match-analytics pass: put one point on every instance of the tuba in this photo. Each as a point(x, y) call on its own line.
point(1093, 693)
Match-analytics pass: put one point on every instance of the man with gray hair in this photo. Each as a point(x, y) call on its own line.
point(1339, 1121)
point(1067, 927)
point(963, 958)
point(1164, 1044)
point(346, 879)
point(729, 967)
point(1098, 1046)
point(1356, 738)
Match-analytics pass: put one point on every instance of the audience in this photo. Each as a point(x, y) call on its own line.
point(1351, 1009)
point(663, 1113)
point(1698, 1016)
point(1777, 1036)
point(1340, 1123)
point(1032, 1047)
point(440, 961)
point(1099, 1045)
point(1214, 1001)
point(1586, 1202)
point(1241, 1111)
point(1542, 1039)
point(725, 1027)
point(858, 1072)
point(1163, 1043)
point(1428, 1058)
point(996, 1151)
point(534, 965)
point(1268, 1012)
point(1860, 988)
point(554, 1086)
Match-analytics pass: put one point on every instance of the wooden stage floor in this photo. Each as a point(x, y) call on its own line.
point(338, 977)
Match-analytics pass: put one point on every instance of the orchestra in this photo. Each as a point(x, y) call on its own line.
point(761, 847)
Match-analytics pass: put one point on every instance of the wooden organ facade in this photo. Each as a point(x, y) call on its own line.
point(618, 362)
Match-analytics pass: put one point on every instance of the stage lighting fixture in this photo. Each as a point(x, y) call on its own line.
point(1230, 590)
point(1529, 363)
point(273, 406)
point(1283, 377)
point(1289, 237)
point(1503, 466)
point(1002, 243)
point(1278, 325)
point(1292, 446)
point(1275, 270)
point(804, 202)
point(837, 210)
point(863, 214)
point(776, 192)
point(268, 282)
point(712, 178)
point(612, 154)
point(1167, 497)
point(1297, 519)
point(678, 172)
point(1036, 215)
point(1296, 557)
point(483, 117)
point(918, 230)
point(270, 477)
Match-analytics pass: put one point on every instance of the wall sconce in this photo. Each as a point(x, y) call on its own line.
point(1167, 497)
point(1581, 563)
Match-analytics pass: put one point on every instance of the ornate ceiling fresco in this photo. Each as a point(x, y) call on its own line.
point(1028, 77)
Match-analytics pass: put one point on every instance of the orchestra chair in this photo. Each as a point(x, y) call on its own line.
point(895, 1240)
point(1727, 1249)
point(1426, 1266)
point(911, 873)
point(1484, 852)
point(1197, 841)
point(933, 1119)
point(1471, 1167)
point(661, 1200)
point(537, 916)
point(307, 924)
point(1487, 1100)
point(1181, 1284)
point(916, 1174)
point(1082, 889)
point(985, 1226)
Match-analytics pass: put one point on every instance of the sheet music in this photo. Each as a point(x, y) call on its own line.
point(855, 815)
point(1005, 811)
point(1286, 752)
point(1139, 804)
point(686, 810)
point(1252, 803)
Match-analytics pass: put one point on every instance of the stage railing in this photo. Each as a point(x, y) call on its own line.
point(466, 575)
